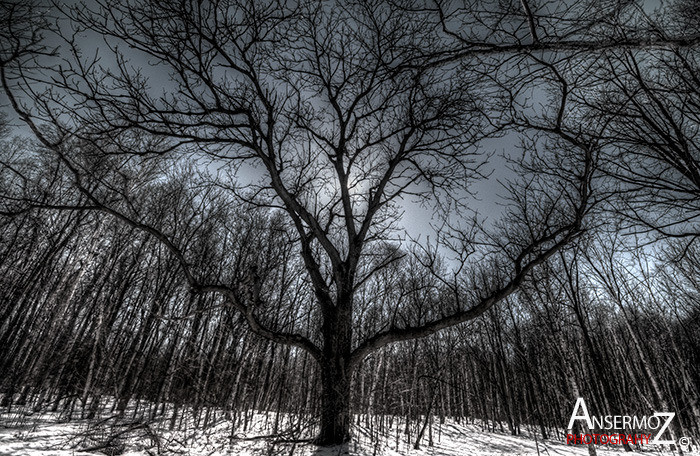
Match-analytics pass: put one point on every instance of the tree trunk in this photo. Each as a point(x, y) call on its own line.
point(335, 405)
point(335, 374)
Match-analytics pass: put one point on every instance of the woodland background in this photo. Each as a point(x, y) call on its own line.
point(138, 249)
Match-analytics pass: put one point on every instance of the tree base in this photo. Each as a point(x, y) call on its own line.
point(332, 437)
point(329, 442)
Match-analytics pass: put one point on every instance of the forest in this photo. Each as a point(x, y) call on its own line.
point(324, 221)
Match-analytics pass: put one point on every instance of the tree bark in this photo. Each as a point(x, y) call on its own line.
point(335, 405)
point(336, 374)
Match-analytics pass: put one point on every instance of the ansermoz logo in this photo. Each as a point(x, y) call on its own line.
point(659, 421)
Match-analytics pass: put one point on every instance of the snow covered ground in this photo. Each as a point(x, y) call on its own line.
point(44, 435)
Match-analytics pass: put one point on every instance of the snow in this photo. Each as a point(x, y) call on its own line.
point(45, 435)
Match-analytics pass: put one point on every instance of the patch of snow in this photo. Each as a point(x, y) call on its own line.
point(45, 435)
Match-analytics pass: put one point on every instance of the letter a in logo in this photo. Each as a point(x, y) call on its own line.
point(582, 404)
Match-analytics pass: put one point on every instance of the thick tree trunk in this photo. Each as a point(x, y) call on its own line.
point(336, 375)
point(335, 405)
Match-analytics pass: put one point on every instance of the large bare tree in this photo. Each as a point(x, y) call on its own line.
point(332, 114)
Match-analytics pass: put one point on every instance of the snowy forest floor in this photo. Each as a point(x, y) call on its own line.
point(45, 434)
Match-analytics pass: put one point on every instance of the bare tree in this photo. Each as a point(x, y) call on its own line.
point(340, 110)
point(652, 101)
point(638, 102)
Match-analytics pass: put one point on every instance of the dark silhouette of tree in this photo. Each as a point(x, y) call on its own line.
point(321, 117)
